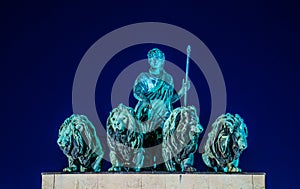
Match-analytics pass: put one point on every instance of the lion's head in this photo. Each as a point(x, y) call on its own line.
point(226, 141)
point(122, 127)
point(121, 119)
point(180, 134)
point(78, 140)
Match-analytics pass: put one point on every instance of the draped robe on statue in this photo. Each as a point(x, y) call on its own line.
point(155, 94)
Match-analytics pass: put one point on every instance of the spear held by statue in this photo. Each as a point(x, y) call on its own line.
point(188, 51)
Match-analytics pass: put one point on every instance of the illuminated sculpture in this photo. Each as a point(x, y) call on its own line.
point(155, 93)
point(226, 141)
point(180, 139)
point(124, 140)
point(79, 142)
point(154, 123)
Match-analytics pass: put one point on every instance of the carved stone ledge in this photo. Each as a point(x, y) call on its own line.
point(149, 180)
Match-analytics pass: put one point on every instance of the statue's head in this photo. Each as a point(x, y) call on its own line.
point(156, 58)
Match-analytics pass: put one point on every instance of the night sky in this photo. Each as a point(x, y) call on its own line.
point(256, 44)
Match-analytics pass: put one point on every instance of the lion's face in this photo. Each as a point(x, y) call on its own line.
point(69, 136)
point(240, 135)
point(182, 128)
point(232, 135)
point(119, 120)
point(122, 126)
point(191, 125)
point(65, 137)
point(194, 132)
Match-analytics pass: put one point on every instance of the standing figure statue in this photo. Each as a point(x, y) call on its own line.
point(155, 93)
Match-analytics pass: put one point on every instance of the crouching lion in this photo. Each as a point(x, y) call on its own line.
point(124, 140)
point(226, 141)
point(78, 140)
point(180, 139)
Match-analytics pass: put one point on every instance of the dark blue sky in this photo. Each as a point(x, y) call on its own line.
point(255, 43)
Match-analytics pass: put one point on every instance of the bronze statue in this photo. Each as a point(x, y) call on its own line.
point(124, 140)
point(226, 141)
point(78, 140)
point(180, 139)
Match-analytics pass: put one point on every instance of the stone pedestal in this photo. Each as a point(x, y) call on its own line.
point(153, 180)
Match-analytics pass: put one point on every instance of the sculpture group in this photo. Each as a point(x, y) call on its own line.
point(153, 135)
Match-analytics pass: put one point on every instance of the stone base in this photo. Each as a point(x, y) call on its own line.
point(153, 180)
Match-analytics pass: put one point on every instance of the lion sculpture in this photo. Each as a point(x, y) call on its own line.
point(226, 141)
point(180, 139)
point(78, 140)
point(124, 140)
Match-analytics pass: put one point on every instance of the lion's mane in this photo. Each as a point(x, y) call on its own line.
point(78, 140)
point(226, 141)
point(124, 139)
point(180, 138)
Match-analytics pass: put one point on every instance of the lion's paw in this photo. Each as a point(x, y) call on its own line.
point(114, 169)
point(234, 170)
point(190, 169)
